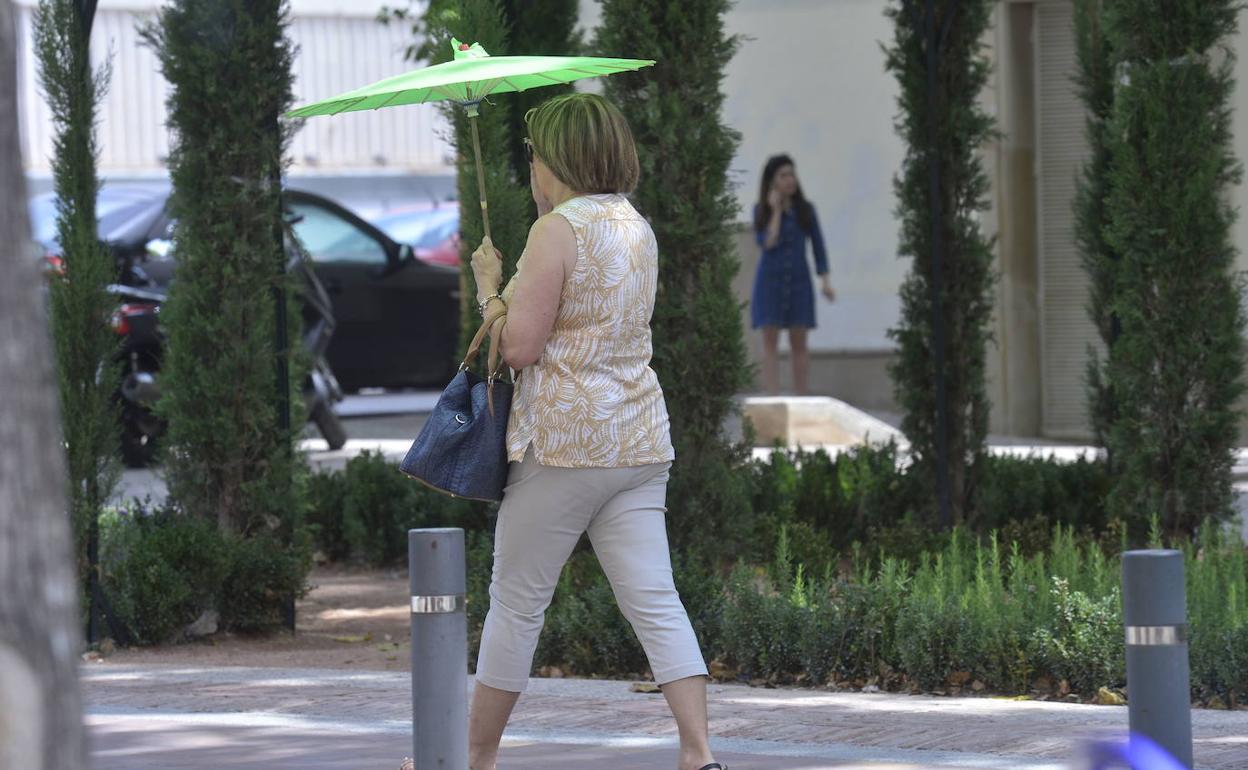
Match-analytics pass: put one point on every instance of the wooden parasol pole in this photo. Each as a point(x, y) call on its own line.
point(476, 156)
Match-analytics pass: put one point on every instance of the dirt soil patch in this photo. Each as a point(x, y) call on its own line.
point(351, 618)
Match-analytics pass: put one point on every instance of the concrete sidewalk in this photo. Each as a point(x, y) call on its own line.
point(147, 717)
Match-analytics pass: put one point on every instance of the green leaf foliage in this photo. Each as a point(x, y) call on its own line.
point(943, 126)
point(1095, 81)
point(85, 344)
point(498, 27)
point(162, 569)
point(685, 149)
point(228, 63)
point(1176, 368)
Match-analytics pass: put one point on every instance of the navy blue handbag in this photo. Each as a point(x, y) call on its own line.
point(462, 449)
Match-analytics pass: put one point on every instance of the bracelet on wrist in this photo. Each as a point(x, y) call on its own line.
point(485, 303)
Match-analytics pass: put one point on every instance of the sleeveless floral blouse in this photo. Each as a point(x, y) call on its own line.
point(592, 400)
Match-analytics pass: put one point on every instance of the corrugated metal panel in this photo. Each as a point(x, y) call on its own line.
point(1066, 330)
point(35, 118)
point(335, 54)
point(132, 134)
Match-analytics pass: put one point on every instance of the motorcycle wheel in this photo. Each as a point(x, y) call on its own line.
point(138, 449)
point(330, 425)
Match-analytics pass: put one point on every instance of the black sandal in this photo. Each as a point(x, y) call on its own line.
point(713, 766)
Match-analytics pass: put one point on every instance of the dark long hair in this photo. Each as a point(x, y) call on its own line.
point(762, 215)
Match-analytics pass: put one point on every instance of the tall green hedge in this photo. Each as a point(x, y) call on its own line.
point(511, 27)
point(946, 303)
point(228, 62)
point(545, 28)
point(85, 344)
point(1176, 368)
point(510, 205)
point(1096, 89)
point(675, 110)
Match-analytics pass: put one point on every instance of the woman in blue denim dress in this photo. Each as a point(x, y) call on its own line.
point(784, 296)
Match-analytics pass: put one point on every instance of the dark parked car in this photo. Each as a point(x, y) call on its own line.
point(397, 316)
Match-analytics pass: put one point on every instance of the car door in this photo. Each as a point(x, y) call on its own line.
point(423, 301)
point(396, 317)
point(351, 264)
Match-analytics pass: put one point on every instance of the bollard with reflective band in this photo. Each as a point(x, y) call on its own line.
point(1154, 611)
point(439, 649)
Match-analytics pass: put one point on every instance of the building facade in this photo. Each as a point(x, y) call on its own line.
point(836, 119)
point(375, 159)
point(808, 80)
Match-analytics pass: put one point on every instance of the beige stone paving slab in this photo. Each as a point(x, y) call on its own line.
point(836, 724)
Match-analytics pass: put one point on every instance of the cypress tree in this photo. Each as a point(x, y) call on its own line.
point(938, 59)
point(520, 27)
point(1095, 81)
point(510, 203)
point(1176, 369)
point(85, 345)
point(538, 28)
point(228, 62)
point(675, 111)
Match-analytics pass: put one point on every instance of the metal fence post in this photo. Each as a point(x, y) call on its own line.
point(439, 649)
point(1154, 610)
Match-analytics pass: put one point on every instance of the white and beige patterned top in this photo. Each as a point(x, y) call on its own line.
point(592, 400)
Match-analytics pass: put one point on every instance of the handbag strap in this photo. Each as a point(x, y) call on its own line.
point(492, 362)
point(474, 347)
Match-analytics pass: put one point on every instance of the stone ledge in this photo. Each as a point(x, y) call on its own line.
point(804, 421)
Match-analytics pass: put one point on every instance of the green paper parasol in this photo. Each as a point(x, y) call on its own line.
point(471, 77)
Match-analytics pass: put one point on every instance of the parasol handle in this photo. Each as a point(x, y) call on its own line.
point(476, 151)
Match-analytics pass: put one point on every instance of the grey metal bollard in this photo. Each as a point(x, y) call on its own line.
point(439, 649)
point(1154, 611)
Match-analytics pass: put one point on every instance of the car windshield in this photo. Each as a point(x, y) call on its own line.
point(329, 237)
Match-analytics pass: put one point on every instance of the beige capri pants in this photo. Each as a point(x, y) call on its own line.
point(543, 513)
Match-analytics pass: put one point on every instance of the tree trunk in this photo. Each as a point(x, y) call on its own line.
point(40, 706)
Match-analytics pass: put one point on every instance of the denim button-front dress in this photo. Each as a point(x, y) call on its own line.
point(784, 295)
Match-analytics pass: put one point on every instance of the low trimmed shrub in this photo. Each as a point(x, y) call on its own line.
point(972, 612)
point(866, 495)
point(1084, 643)
point(1217, 600)
point(363, 512)
point(162, 569)
point(263, 574)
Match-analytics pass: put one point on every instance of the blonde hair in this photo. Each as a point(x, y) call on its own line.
point(585, 142)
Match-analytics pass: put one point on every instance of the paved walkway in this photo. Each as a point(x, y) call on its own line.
point(148, 717)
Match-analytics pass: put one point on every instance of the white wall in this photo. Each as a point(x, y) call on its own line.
point(810, 81)
point(1240, 100)
point(341, 47)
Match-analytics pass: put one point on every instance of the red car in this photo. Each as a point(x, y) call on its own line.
point(432, 232)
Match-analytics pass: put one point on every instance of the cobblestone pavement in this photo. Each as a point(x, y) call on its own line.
point(162, 716)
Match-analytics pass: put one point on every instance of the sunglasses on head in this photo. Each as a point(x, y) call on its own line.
point(528, 150)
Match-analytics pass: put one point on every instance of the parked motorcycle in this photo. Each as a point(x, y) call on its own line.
point(137, 322)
